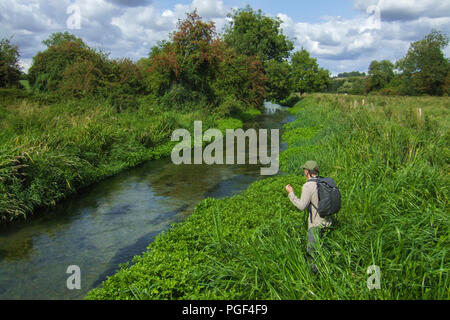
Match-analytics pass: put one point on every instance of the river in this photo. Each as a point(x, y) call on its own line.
point(112, 221)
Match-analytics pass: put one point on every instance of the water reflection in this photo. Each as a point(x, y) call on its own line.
point(272, 108)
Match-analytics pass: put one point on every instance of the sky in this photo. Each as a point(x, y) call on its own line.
point(344, 35)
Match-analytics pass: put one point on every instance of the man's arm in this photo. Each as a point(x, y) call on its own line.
point(304, 200)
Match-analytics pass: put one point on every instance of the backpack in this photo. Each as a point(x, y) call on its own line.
point(329, 197)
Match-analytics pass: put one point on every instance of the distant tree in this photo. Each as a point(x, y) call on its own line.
point(399, 86)
point(345, 88)
point(322, 80)
point(351, 74)
point(358, 86)
point(10, 70)
point(380, 74)
point(279, 80)
point(351, 85)
point(254, 34)
point(425, 66)
point(307, 76)
point(335, 84)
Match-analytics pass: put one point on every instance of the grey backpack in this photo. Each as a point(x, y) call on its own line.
point(329, 197)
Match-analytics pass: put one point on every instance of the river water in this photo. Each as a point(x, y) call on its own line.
point(112, 221)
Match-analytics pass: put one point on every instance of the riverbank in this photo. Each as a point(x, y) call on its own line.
point(389, 157)
point(51, 151)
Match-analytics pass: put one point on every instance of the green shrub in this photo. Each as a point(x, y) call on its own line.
point(228, 123)
point(290, 101)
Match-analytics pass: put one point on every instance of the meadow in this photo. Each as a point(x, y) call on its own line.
point(390, 158)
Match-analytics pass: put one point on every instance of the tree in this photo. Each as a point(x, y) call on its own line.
point(58, 38)
point(446, 85)
point(425, 66)
point(197, 68)
point(69, 68)
point(49, 67)
point(347, 87)
point(254, 34)
point(189, 61)
point(380, 74)
point(279, 80)
point(307, 76)
point(9, 64)
point(351, 74)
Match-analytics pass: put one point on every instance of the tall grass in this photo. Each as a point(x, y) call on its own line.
point(391, 163)
point(49, 151)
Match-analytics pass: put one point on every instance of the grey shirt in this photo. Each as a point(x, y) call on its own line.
point(310, 195)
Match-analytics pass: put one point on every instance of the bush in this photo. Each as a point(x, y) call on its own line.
point(196, 67)
point(228, 123)
point(11, 95)
point(279, 80)
point(291, 100)
point(177, 98)
point(230, 106)
point(70, 69)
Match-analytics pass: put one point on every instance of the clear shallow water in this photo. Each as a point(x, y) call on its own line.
point(112, 221)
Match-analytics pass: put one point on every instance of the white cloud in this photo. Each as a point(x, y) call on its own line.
point(125, 28)
point(399, 10)
point(351, 44)
point(210, 8)
point(131, 28)
point(147, 25)
point(334, 38)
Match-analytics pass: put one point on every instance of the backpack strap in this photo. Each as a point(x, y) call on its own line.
point(316, 180)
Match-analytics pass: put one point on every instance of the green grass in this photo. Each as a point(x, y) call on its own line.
point(392, 168)
point(49, 151)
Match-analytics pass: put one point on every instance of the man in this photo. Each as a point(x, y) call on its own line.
point(310, 200)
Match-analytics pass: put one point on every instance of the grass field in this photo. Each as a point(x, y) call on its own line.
point(390, 158)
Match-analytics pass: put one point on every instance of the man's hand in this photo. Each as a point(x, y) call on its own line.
point(289, 188)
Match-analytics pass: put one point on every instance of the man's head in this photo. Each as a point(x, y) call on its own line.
point(310, 168)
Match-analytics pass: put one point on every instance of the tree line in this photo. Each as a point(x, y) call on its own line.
point(250, 62)
point(424, 70)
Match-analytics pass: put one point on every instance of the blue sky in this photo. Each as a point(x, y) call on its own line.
point(308, 11)
point(344, 35)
